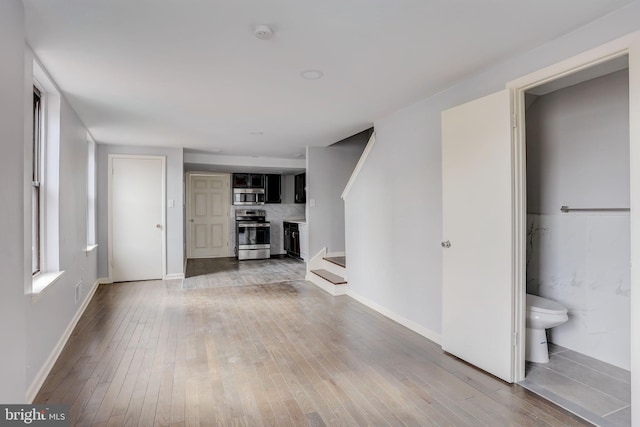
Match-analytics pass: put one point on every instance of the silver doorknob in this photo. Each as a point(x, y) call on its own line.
point(446, 244)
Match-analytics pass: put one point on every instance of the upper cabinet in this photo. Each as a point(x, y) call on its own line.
point(273, 188)
point(300, 188)
point(248, 180)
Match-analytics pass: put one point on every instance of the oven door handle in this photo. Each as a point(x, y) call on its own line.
point(253, 224)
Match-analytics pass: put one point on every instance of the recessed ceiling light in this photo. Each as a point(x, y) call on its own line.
point(312, 74)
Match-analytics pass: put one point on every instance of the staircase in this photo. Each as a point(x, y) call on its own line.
point(329, 272)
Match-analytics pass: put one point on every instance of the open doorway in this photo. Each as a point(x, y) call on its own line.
point(578, 241)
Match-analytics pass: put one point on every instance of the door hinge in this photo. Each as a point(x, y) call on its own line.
point(514, 121)
point(515, 339)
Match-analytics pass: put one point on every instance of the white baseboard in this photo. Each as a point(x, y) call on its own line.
point(173, 276)
point(37, 383)
point(105, 280)
point(409, 324)
point(335, 254)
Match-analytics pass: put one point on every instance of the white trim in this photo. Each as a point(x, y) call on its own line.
point(316, 261)
point(335, 254)
point(519, 235)
point(44, 371)
point(163, 230)
point(42, 281)
point(627, 45)
point(174, 276)
point(326, 285)
point(105, 280)
point(359, 166)
point(409, 324)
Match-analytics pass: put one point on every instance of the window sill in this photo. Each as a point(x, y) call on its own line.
point(42, 281)
point(90, 248)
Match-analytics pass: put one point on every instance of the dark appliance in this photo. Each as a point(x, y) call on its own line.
point(253, 234)
point(248, 196)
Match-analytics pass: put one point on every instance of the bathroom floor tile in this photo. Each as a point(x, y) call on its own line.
point(621, 417)
point(591, 389)
point(591, 377)
point(610, 370)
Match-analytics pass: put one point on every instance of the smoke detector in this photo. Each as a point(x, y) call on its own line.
point(263, 32)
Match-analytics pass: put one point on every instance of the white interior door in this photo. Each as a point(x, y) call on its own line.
point(137, 218)
point(208, 216)
point(478, 319)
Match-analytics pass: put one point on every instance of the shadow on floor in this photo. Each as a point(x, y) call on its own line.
point(219, 272)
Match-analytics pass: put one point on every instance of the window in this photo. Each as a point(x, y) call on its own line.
point(45, 182)
point(36, 184)
point(91, 193)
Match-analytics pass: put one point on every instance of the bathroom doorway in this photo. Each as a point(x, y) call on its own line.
point(578, 237)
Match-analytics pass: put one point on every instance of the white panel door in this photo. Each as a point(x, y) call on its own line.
point(209, 204)
point(478, 322)
point(137, 203)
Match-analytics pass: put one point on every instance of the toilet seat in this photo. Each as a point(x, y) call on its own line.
point(538, 304)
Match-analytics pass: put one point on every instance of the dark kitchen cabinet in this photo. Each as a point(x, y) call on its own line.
point(300, 188)
point(273, 188)
point(291, 239)
point(240, 180)
point(248, 180)
point(256, 180)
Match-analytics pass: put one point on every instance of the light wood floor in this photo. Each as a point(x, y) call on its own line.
point(284, 354)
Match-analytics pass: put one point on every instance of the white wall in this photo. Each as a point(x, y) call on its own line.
point(12, 254)
point(49, 315)
point(578, 146)
point(175, 215)
point(328, 171)
point(33, 328)
point(393, 213)
point(578, 155)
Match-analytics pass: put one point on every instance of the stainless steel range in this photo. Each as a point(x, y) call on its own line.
point(253, 234)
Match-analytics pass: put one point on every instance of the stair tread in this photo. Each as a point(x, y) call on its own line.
point(338, 260)
point(327, 275)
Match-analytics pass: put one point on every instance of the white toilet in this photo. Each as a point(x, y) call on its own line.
point(542, 314)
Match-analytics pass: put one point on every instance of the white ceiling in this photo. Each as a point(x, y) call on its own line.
point(191, 73)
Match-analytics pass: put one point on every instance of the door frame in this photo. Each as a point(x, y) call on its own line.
point(627, 45)
point(163, 229)
point(188, 209)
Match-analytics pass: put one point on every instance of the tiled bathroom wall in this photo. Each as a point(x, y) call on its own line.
point(582, 261)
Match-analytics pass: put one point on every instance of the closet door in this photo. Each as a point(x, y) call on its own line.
point(478, 319)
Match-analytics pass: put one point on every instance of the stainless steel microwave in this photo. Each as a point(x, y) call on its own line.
point(248, 196)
